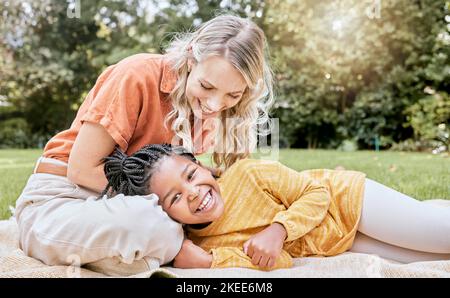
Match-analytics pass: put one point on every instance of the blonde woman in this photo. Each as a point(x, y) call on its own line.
point(218, 71)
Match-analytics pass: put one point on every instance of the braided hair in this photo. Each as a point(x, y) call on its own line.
point(129, 175)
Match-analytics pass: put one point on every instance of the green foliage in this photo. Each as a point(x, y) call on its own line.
point(14, 133)
point(49, 69)
point(430, 119)
point(344, 73)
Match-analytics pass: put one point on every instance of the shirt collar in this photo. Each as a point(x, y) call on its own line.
point(169, 78)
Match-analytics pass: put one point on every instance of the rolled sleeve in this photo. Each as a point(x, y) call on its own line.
point(117, 104)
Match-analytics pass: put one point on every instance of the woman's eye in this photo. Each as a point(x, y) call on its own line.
point(205, 87)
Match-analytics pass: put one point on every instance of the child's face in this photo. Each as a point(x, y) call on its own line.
point(213, 86)
point(186, 191)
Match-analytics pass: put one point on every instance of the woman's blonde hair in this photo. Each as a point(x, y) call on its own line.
point(244, 45)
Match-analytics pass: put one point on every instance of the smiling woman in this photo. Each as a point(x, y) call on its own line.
point(216, 72)
point(223, 78)
point(210, 99)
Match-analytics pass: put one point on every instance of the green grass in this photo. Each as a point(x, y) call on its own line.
point(15, 168)
point(420, 175)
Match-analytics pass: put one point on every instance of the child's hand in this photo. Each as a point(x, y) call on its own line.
point(192, 256)
point(265, 247)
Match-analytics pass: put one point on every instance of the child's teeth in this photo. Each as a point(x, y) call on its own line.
point(205, 202)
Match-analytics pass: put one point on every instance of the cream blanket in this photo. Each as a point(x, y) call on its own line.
point(14, 263)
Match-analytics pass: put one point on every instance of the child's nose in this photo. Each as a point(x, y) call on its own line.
point(193, 194)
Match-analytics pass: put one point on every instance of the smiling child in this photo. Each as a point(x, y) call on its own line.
point(260, 214)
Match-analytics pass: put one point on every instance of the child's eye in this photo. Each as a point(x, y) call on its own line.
point(175, 198)
point(191, 174)
point(178, 196)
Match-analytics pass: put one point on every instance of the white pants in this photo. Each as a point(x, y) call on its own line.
point(61, 223)
point(398, 227)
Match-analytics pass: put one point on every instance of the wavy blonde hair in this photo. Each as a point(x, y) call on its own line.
point(244, 45)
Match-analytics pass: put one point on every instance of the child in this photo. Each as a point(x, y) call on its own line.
point(260, 214)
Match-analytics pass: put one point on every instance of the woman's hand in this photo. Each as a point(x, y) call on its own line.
point(265, 247)
point(192, 256)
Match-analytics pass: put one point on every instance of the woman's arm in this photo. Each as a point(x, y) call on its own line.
point(92, 144)
point(85, 166)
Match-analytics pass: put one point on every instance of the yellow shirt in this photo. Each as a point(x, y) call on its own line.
point(320, 210)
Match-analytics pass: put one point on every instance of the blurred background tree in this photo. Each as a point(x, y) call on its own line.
point(346, 71)
point(349, 70)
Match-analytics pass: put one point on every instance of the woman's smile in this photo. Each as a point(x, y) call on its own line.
point(205, 110)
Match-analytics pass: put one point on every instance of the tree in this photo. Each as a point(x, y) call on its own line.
point(345, 72)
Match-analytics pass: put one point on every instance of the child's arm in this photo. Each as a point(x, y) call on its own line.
point(193, 256)
point(225, 257)
point(307, 201)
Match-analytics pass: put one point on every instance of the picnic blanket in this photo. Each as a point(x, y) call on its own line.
point(14, 263)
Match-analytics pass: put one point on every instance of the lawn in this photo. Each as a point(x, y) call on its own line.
point(420, 175)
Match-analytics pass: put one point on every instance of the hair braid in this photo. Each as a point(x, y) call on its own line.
point(129, 175)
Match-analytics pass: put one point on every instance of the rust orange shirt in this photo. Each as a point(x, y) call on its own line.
point(130, 100)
